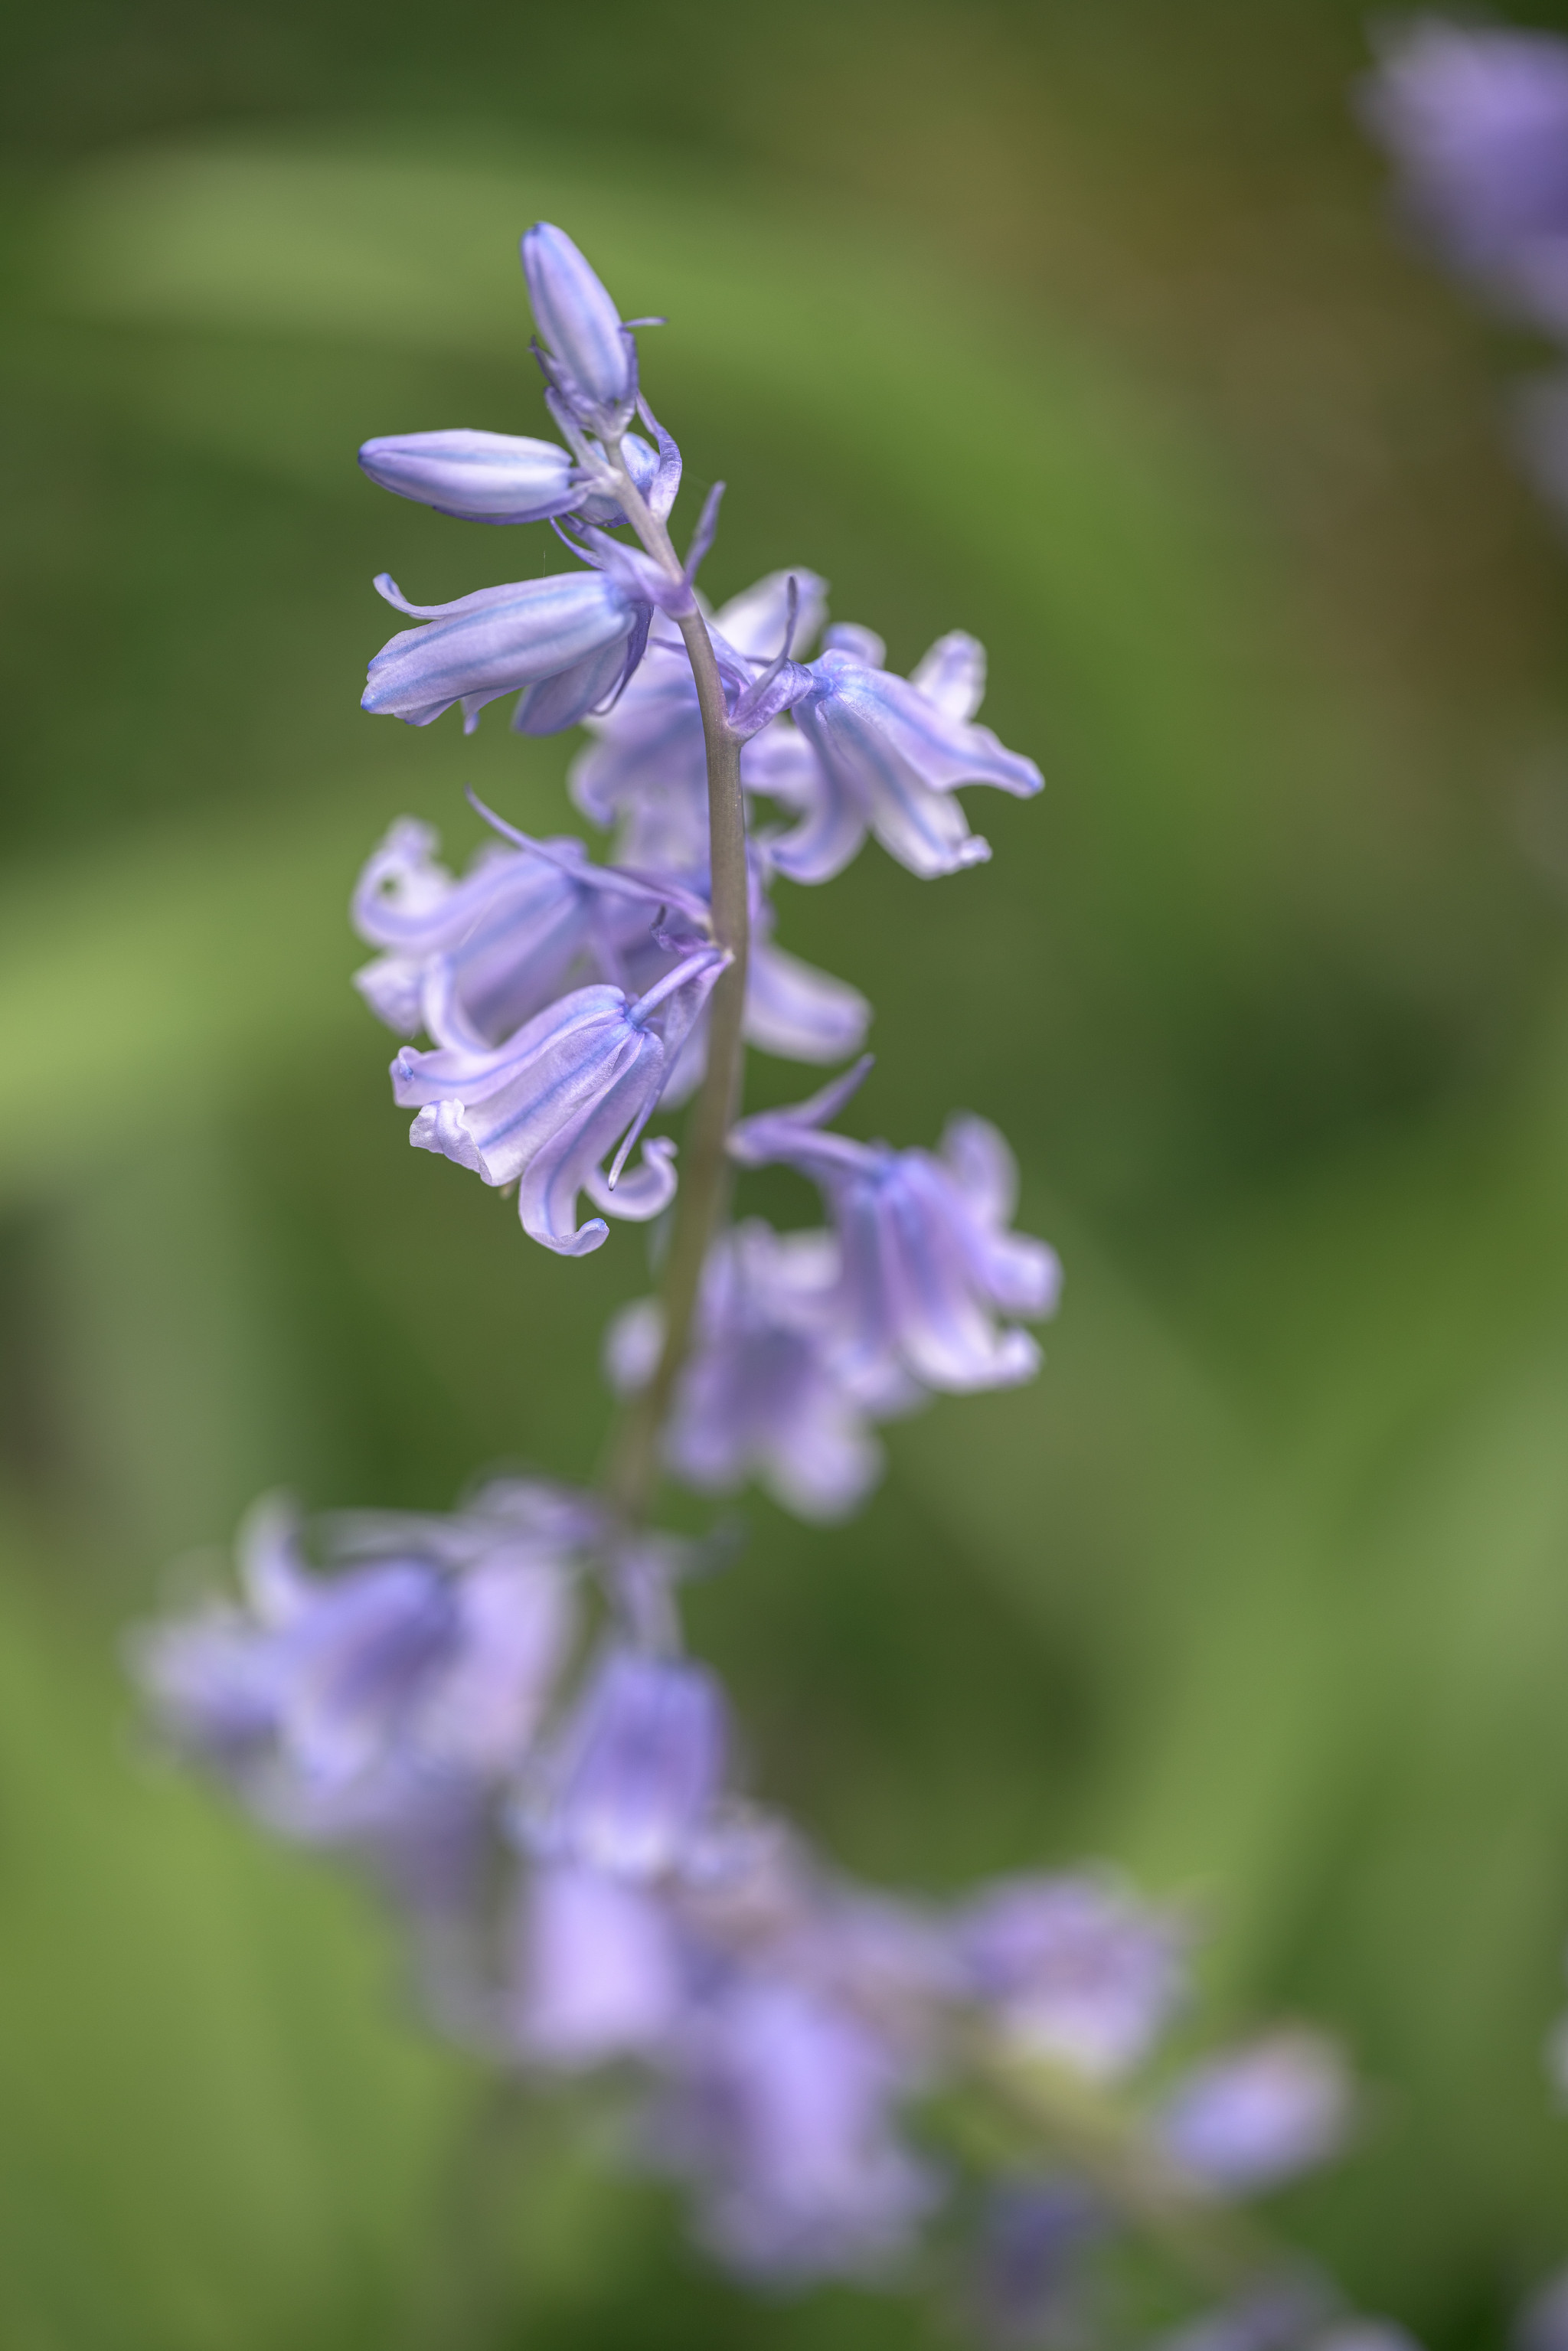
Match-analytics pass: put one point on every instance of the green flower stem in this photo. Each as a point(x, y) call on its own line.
point(633, 1474)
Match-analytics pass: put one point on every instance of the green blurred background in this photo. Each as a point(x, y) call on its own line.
point(1081, 324)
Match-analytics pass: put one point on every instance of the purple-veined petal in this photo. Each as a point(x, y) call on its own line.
point(477, 477)
point(493, 643)
point(578, 322)
point(799, 1013)
point(860, 646)
point(952, 675)
point(754, 621)
point(565, 700)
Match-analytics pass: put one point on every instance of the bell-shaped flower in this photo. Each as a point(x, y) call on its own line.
point(646, 773)
point(891, 752)
point(1246, 2121)
point(568, 641)
point(634, 1770)
point(377, 1705)
point(470, 961)
point(498, 477)
point(929, 1261)
point(783, 2113)
point(544, 1109)
point(1475, 117)
point(1073, 1968)
point(597, 1969)
point(588, 356)
point(760, 1394)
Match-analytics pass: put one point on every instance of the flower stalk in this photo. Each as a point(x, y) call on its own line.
point(633, 1474)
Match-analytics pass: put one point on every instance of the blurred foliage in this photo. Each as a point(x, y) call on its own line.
point(1080, 327)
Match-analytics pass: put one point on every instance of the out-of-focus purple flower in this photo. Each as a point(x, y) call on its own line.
point(1033, 2237)
point(544, 1109)
point(498, 477)
point(588, 357)
point(1073, 1968)
point(1291, 2310)
point(598, 1971)
point(1477, 119)
point(928, 1261)
point(1542, 2325)
point(377, 1705)
point(1258, 2116)
point(568, 641)
point(759, 1395)
point(783, 2114)
point(634, 1770)
point(1365, 2335)
point(892, 751)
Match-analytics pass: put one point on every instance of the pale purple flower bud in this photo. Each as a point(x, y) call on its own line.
point(760, 1394)
point(892, 752)
point(498, 477)
point(1249, 2120)
point(928, 1261)
point(783, 2114)
point(1072, 1967)
point(501, 477)
point(592, 360)
point(598, 1969)
point(546, 1108)
point(1477, 119)
point(635, 1769)
point(568, 640)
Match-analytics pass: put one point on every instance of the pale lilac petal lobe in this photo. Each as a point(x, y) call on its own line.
point(594, 359)
point(490, 643)
point(495, 477)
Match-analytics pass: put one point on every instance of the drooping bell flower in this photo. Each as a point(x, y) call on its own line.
point(1072, 1967)
point(635, 1769)
point(547, 1107)
point(565, 643)
point(929, 1261)
point(891, 752)
point(760, 1394)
